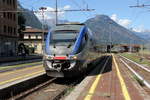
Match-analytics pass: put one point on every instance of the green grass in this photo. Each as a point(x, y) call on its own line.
point(139, 80)
point(19, 65)
point(147, 52)
point(69, 91)
point(136, 57)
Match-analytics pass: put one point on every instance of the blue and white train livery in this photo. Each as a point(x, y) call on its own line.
point(67, 50)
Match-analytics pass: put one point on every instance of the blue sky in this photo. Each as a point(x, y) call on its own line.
point(137, 18)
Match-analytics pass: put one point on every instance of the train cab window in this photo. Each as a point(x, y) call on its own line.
point(64, 37)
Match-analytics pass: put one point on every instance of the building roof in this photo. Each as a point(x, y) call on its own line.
point(128, 45)
point(33, 30)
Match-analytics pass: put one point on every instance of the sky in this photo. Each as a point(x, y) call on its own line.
point(136, 18)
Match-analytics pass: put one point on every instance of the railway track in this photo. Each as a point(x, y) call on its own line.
point(141, 72)
point(146, 68)
point(41, 86)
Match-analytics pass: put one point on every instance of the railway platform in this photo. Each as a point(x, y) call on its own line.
point(110, 81)
point(18, 58)
point(17, 76)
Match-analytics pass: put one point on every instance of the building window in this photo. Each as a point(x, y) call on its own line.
point(8, 30)
point(7, 1)
point(5, 28)
point(4, 14)
point(14, 31)
point(10, 2)
point(14, 2)
point(10, 15)
point(29, 36)
point(11, 30)
point(14, 17)
point(4, 1)
point(36, 36)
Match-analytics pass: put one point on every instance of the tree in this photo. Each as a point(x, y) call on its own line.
point(21, 24)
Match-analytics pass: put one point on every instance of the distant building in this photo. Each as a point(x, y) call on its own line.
point(32, 37)
point(130, 47)
point(8, 28)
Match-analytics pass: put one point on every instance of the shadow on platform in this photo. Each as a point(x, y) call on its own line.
point(99, 63)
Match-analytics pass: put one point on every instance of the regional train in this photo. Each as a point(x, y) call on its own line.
point(69, 48)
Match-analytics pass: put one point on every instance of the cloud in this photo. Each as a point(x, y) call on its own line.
point(67, 7)
point(123, 22)
point(139, 29)
point(127, 22)
point(51, 15)
point(114, 17)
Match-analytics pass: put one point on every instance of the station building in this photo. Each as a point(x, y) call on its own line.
point(32, 37)
point(8, 28)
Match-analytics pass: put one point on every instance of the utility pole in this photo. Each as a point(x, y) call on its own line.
point(43, 30)
point(71, 10)
point(56, 13)
point(130, 49)
point(140, 6)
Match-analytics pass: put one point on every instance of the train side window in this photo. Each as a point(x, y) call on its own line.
point(86, 37)
point(83, 43)
point(84, 40)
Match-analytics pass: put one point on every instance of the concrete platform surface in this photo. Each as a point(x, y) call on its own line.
point(13, 77)
point(111, 83)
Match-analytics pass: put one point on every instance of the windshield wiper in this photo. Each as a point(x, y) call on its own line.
point(69, 45)
point(54, 46)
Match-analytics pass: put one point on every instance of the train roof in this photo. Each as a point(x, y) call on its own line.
point(75, 27)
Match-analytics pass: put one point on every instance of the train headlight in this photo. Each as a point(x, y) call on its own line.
point(73, 57)
point(48, 57)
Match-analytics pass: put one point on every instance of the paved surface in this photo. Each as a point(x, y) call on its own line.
point(19, 62)
point(18, 58)
point(112, 83)
point(16, 76)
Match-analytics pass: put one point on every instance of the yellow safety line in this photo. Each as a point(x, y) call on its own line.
point(11, 72)
point(93, 87)
point(21, 77)
point(20, 65)
point(123, 85)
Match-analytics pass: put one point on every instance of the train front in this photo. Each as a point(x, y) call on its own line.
point(60, 58)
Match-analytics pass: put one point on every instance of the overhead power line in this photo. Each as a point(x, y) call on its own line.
point(48, 10)
point(70, 10)
point(140, 5)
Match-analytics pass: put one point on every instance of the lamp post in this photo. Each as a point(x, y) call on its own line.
point(43, 9)
point(110, 35)
point(130, 49)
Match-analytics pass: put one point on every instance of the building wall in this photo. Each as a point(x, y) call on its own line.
point(8, 27)
point(37, 45)
point(33, 40)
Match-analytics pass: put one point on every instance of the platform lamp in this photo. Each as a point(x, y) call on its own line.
point(43, 30)
point(110, 35)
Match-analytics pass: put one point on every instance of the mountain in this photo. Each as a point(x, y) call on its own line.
point(102, 27)
point(145, 35)
point(51, 22)
point(31, 19)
